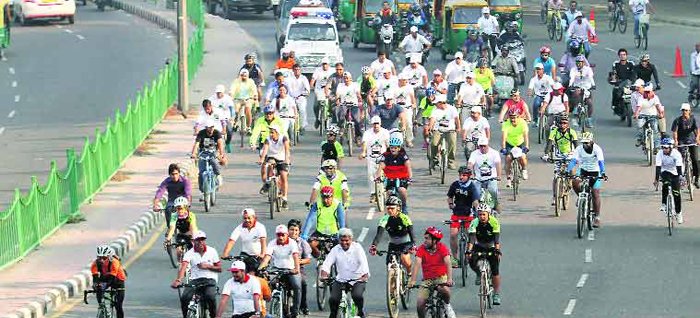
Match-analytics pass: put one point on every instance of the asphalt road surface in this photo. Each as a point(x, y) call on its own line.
point(629, 267)
point(61, 81)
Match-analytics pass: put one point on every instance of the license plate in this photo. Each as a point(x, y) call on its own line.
point(48, 1)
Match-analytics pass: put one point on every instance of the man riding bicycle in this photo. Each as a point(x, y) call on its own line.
point(224, 103)
point(414, 43)
point(349, 99)
point(276, 149)
point(245, 94)
point(400, 229)
point(176, 185)
point(285, 256)
point(540, 86)
point(488, 26)
point(261, 129)
point(331, 176)
point(253, 237)
point(515, 134)
point(462, 198)
point(589, 157)
point(556, 103)
point(210, 141)
point(484, 236)
point(204, 264)
point(470, 94)
point(352, 269)
point(648, 110)
point(396, 168)
point(294, 226)
point(331, 149)
point(299, 89)
point(580, 29)
point(515, 105)
point(319, 81)
point(209, 112)
point(244, 291)
point(686, 131)
point(444, 123)
point(185, 222)
point(375, 142)
point(255, 73)
point(326, 216)
point(108, 272)
point(581, 77)
point(486, 165)
point(434, 260)
point(669, 168)
point(368, 87)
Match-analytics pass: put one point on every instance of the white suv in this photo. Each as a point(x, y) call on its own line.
point(313, 35)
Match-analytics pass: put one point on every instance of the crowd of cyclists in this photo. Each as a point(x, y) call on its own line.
point(387, 103)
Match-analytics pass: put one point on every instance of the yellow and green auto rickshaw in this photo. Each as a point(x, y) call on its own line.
point(365, 30)
point(458, 15)
point(405, 5)
point(4, 25)
point(346, 12)
point(507, 11)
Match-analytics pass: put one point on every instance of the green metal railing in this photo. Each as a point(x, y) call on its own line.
point(45, 208)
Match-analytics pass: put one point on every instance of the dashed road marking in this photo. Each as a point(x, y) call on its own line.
point(611, 50)
point(2, 130)
point(681, 84)
point(16, 98)
point(14, 83)
point(570, 307)
point(80, 37)
point(582, 280)
point(591, 236)
point(370, 213)
point(12, 70)
point(589, 256)
point(59, 26)
point(11, 114)
point(363, 234)
point(69, 31)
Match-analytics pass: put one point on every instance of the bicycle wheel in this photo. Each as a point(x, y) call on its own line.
point(212, 196)
point(638, 40)
point(392, 295)
point(443, 164)
point(515, 167)
point(431, 163)
point(542, 129)
point(649, 146)
point(207, 202)
point(589, 213)
point(645, 35)
point(483, 293)
point(582, 118)
point(272, 198)
point(559, 31)
point(275, 306)
point(550, 29)
point(321, 289)
point(580, 217)
point(172, 254)
point(322, 118)
point(622, 22)
point(670, 212)
point(463, 261)
point(350, 136)
point(405, 291)
point(543, 15)
point(612, 22)
point(558, 202)
point(688, 175)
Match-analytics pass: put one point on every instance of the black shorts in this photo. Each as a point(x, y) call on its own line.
point(493, 259)
point(403, 248)
point(279, 165)
point(391, 183)
point(183, 239)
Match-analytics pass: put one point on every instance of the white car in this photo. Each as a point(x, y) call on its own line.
point(26, 10)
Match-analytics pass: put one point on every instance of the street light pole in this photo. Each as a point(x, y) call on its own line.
point(182, 95)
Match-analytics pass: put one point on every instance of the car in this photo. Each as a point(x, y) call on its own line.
point(312, 34)
point(27, 10)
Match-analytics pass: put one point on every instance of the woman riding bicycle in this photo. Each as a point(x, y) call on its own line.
point(484, 236)
point(462, 197)
point(485, 78)
point(400, 229)
point(396, 167)
point(669, 168)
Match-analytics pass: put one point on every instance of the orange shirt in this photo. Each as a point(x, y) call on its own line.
point(266, 294)
point(281, 63)
point(115, 269)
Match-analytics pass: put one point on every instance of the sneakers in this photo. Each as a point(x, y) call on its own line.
point(662, 209)
point(248, 131)
point(285, 205)
point(455, 263)
point(304, 311)
point(449, 311)
point(496, 299)
point(508, 182)
point(525, 174)
point(596, 222)
point(554, 201)
point(679, 217)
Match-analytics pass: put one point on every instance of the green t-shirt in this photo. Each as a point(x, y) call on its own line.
point(484, 79)
point(563, 141)
point(515, 135)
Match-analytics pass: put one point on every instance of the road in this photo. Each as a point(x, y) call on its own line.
point(628, 268)
point(62, 81)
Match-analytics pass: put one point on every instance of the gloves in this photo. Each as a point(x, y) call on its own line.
point(504, 151)
point(498, 252)
point(525, 149)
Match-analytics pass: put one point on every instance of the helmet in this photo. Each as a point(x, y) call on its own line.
point(563, 118)
point(580, 58)
point(327, 191)
point(666, 142)
point(645, 56)
point(514, 91)
point(430, 92)
point(395, 142)
point(545, 49)
point(483, 207)
point(251, 56)
point(181, 201)
point(587, 137)
point(333, 130)
point(393, 201)
point(434, 232)
point(513, 26)
point(415, 8)
point(365, 69)
point(329, 163)
point(464, 169)
point(105, 251)
point(269, 109)
point(574, 46)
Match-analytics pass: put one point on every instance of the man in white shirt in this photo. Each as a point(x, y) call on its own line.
point(299, 89)
point(375, 142)
point(475, 126)
point(319, 80)
point(349, 97)
point(405, 97)
point(540, 86)
point(414, 43)
point(284, 254)
point(243, 290)
point(444, 123)
point(204, 265)
point(488, 26)
point(486, 164)
point(580, 29)
point(694, 70)
point(582, 76)
point(649, 109)
point(455, 74)
point(208, 112)
point(387, 82)
point(352, 269)
point(470, 94)
point(439, 84)
point(253, 237)
point(417, 75)
point(224, 103)
point(380, 64)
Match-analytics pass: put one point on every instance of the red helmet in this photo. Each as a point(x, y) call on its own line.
point(545, 49)
point(327, 191)
point(434, 232)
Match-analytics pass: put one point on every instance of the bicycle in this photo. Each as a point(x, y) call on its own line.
point(648, 142)
point(618, 18)
point(670, 209)
point(346, 308)
point(643, 32)
point(555, 28)
point(274, 197)
point(323, 112)
point(349, 126)
point(485, 286)
point(209, 181)
point(562, 184)
point(688, 164)
point(486, 196)
point(470, 143)
point(176, 250)
point(442, 155)
point(580, 108)
point(434, 305)
point(241, 120)
point(325, 244)
point(380, 194)
point(105, 308)
point(297, 120)
point(280, 305)
point(397, 278)
point(196, 309)
point(462, 247)
point(542, 128)
point(516, 170)
point(584, 216)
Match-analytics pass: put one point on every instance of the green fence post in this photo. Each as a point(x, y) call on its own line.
point(72, 180)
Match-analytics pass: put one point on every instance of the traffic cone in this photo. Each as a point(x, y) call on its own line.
point(591, 19)
point(678, 69)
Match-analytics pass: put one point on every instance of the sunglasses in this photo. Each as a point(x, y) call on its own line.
point(685, 110)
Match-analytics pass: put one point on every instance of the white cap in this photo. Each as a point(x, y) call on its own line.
point(470, 75)
point(286, 50)
point(440, 98)
point(639, 82)
point(220, 88)
point(386, 69)
point(211, 122)
point(556, 86)
point(414, 29)
point(578, 14)
point(376, 120)
point(325, 60)
point(437, 71)
point(483, 141)
point(415, 58)
point(388, 94)
point(476, 109)
point(404, 76)
point(685, 106)
point(281, 229)
point(237, 266)
point(539, 65)
point(249, 211)
point(485, 10)
point(348, 74)
point(243, 71)
point(199, 234)
point(459, 55)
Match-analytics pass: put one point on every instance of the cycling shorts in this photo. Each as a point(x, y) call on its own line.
point(391, 183)
point(595, 184)
point(455, 218)
point(403, 248)
point(279, 165)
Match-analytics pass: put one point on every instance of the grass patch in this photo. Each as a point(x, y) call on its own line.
point(145, 149)
point(76, 218)
point(121, 176)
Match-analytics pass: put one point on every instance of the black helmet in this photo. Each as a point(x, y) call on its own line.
point(393, 201)
point(464, 169)
point(514, 91)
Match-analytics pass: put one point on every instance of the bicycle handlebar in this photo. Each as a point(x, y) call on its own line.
point(93, 291)
point(429, 286)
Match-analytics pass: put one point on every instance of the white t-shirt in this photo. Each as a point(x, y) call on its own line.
point(242, 294)
point(275, 149)
point(402, 96)
point(250, 238)
point(670, 162)
point(475, 129)
point(321, 77)
point(445, 118)
point(417, 74)
point(488, 26)
point(457, 73)
point(376, 142)
point(298, 85)
point(378, 67)
point(414, 45)
point(384, 84)
point(471, 94)
point(282, 254)
point(541, 86)
point(648, 106)
point(287, 107)
point(638, 6)
point(485, 164)
point(210, 257)
point(203, 117)
point(582, 78)
point(589, 161)
point(556, 103)
point(224, 104)
point(441, 87)
point(347, 93)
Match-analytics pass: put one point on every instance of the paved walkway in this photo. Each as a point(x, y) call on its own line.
point(121, 204)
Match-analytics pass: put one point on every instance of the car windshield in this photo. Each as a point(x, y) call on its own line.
point(311, 32)
point(287, 7)
point(407, 1)
point(373, 6)
point(504, 2)
point(466, 15)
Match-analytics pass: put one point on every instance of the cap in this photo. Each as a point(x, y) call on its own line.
point(220, 88)
point(211, 122)
point(286, 50)
point(685, 106)
point(471, 75)
point(557, 86)
point(578, 14)
point(376, 120)
point(649, 88)
point(437, 72)
point(237, 266)
point(414, 29)
point(325, 60)
point(274, 127)
point(347, 74)
point(404, 76)
point(459, 55)
point(386, 69)
point(199, 235)
point(539, 65)
point(639, 82)
point(249, 211)
point(485, 10)
point(483, 141)
point(388, 94)
point(476, 109)
point(415, 58)
point(243, 71)
point(281, 229)
point(440, 98)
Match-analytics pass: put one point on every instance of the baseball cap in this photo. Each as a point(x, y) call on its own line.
point(414, 29)
point(281, 229)
point(639, 82)
point(476, 109)
point(376, 120)
point(211, 122)
point(243, 71)
point(404, 76)
point(539, 65)
point(685, 106)
point(556, 86)
point(459, 55)
point(440, 98)
point(249, 211)
point(471, 75)
point(237, 266)
point(482, 141)
point(649, 88)
point(220, 89)
point(437, 72)
point(485, 10)
point(199, 235)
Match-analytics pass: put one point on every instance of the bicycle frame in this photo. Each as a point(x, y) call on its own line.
point(397, 288)
point(273, 196)
point(670, 206)
point(687, 163)
point(105, 309)
point(486, 287)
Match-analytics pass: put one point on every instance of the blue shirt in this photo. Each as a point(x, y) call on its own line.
point(463, 194)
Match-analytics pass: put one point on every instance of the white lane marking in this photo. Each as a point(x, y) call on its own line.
point(681, 84)
point(4, 59)
point(69, 31)
point(12, 70)
point(591, 236)
point(59, 26)
point(570, 307)
point(582, 280)
point(370, 213)
point(589, 256)
point(2, 130)
point(363, 234)
point(11, 114)
point(14, 83)
point(16, 98)
point(80, 36)
point(611, 50)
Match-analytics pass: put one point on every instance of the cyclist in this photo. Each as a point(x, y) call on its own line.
point(433, 259)
point(331, 149)
point(108, 272)
point(176, 185)
point(224, 103)
point(385, 83)
point(352, 268)
point(438, 83)
point(204, 266)
point(400, 229)
point(392, 115)
point(648, 110)
point(244, 291)
point(261, 129)
point(639, 8)
point(582, 77)
point(485, 78)
point(209, 112)
point(414, 43)
point(548, 63)
point(568, 61)
point(375, 142)
point(276, 150)
point(462, 198)
point(484, 236)
point(470, 94)
point(380, 64)
point(299, 89)
point(486, 165)
point(552, 6)
point(426, 106)
point(556, 103)
point(319, 81)
point(286, 108)
point(589, 156)
point(444, 123)
point(253, 237)
point(406, 98)
point(646, 70)
point(571, 13)
point(417, 75)
point(473, 44)
point(686, 131)
point(694, 72)
point(184, 221)
point(475, 126)
point(540, 86)
point(488, 26)
point(209, 140)
point(395, 165)
point(284, 255)
point(244, 93)
point(255, 72)
point(273, 88)
point(334, 79)
point(349, 99)
point(562, 138)
point(515, 105)
point(326, 216)
point(580, 29)
point(622, 74)
point(669, 168)
point(335, 178)
point(368, 87)
point(455, 75)
point(294, 226)
point(515, 134)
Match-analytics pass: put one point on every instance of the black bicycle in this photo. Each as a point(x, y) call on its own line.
point(325, 244)
point(688, 164)
point(176, 250)
point(196, 308)
point(618, 18)
point(434, 305)
point(105, 309)
point(584, 217)
point(462, 247)
point(280, 306)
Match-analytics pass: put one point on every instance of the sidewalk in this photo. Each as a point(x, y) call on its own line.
point(56, 270)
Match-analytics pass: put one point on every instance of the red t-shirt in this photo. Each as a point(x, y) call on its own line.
point(433, 264)
point(517, 108)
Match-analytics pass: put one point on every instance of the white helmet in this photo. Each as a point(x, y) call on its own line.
point(329, 163)
point(105, 251)
point(181, 201)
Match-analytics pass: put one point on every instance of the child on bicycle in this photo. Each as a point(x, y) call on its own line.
point(462, 198)
point(107, 272)
point(185, 222)
point(400, 229)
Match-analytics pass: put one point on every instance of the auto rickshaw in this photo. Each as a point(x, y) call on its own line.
point(346, 12)
point(365, 32)
point(4, 26)
point(506, 11)
point(457, 17)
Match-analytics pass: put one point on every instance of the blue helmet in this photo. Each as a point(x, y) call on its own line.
point(666, 142)
point(574, 46)
point(430, 92)
point(269, 109)
point(395, 142)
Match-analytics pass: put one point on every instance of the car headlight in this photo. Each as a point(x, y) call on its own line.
point(518, 16)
